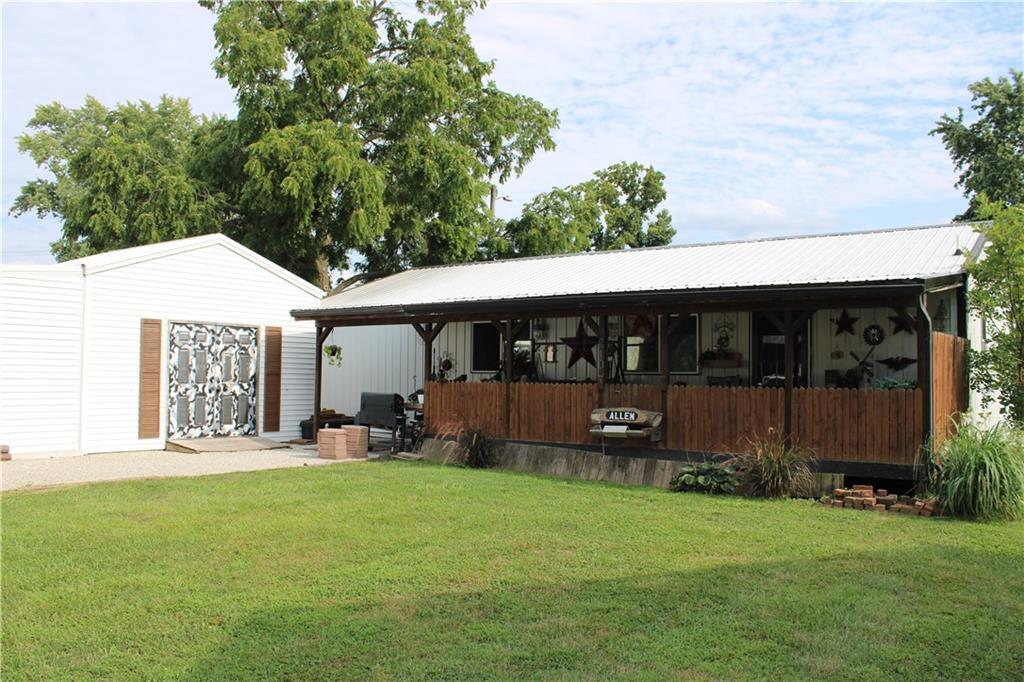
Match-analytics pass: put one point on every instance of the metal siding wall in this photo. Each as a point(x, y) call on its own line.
point(40, 351)
point(380, 359)
point(212, 284)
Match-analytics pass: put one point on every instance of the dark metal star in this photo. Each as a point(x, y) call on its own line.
point(901, 323)
point(844, 323)
point(582, 346)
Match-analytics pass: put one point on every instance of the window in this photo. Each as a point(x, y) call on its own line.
point(640, 344)
point(487, 346)
point(683, 345)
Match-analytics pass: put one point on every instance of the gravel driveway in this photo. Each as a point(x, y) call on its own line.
point(115, 466)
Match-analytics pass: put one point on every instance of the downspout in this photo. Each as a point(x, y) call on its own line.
point(82, 348)
point(924, 365)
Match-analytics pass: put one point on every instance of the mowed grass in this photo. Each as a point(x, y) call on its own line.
point(397, 570)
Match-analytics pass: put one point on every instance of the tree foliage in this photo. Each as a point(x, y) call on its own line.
point(362, 128)
point(120, 176)
point(989, 152)
point(997, 295)
point(617, 208)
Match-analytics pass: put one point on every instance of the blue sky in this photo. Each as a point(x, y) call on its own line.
point(767, 119)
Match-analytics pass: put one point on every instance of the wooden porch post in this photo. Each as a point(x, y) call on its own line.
point(789, 352)
point(321, 335)
point(602, 349)
point(510, 344)
point(663, 363)
point(924, 365)
point(428, 332)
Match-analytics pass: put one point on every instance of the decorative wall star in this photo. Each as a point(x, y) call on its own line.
point(844, 323)
point(582, 346)
point(901, 323)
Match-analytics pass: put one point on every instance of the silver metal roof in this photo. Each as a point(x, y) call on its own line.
point(877, 256)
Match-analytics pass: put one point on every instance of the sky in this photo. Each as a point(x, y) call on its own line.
point(766, 119)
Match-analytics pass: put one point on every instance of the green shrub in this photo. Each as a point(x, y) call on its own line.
point(773, 468)
point(477, 449)
point(706, 477)
point(979, 473)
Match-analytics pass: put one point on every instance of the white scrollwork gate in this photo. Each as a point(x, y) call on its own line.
point(212, 380)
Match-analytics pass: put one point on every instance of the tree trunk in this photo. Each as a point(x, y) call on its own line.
point(323, 267)
point(323, 272)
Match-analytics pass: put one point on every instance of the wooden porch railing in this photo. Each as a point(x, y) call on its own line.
point(707, 419)
point(836, 424)
point(863, 426)
point(949, 383)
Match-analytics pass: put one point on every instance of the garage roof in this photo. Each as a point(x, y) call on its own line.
point(893, 255)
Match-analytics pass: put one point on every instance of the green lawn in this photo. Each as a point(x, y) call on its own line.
point(416, 571)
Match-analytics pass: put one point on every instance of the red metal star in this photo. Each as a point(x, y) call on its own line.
point(582, 346)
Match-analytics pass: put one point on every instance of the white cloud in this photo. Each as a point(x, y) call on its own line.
point(766, 119)
point(823, 111)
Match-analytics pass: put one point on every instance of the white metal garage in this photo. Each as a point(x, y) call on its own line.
point(121, 350)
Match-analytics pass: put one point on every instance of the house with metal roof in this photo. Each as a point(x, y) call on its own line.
point(851, 344)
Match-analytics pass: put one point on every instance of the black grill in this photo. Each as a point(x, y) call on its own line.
point(384, 411)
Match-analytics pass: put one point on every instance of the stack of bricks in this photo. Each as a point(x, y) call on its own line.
point(881, 500)
point(348, 442)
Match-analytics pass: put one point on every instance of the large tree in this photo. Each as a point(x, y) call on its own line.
point(989, 152)
point(615, 209)
point(362, 128)
point(997, 295)
point(118, 177)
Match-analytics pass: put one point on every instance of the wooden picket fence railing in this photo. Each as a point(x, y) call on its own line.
point(712, 419)
point(449, 405)
point(552, 413)
point(883, 426)
point(949, 383)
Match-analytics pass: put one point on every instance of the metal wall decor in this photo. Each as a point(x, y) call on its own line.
point(873, 335)
point(897, 363)
point(582, 346)
point(844, 323)
point(901, 323)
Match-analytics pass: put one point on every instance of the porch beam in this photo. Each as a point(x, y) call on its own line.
point(321, 336)
point(602, 351)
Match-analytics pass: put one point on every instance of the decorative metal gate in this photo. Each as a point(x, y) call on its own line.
point(212, 380)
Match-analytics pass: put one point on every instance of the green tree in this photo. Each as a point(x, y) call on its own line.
point(615, 209)
point(989, 152)
point(360, 128)
point(119, 177)
point(997, 295)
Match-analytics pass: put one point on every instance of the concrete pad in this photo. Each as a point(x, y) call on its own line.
point(230, 444)
point(116, 466)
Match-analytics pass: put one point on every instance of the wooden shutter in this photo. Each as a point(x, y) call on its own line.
point(149, 378)
point(272, 380)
